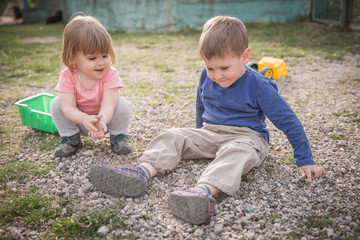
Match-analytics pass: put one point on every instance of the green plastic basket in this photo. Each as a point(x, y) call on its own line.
point(35, 112)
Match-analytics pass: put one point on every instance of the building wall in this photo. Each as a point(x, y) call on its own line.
point(174, 15)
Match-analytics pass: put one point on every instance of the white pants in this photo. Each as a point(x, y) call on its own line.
point(118, 124)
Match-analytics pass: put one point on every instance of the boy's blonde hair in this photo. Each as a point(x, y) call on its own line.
point(223, 36)
point(87, 35)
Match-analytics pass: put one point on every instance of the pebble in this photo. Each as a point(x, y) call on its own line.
point(103, 231)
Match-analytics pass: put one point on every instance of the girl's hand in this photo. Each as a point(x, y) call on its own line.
point(101, 129)
point(89, 122)
point(310, 171)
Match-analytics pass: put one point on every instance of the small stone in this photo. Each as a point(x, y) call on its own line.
point(330, 232)
point(14, 234)
point(103, 231)
point(199, 232)
point(218, 228)
point(12, 184)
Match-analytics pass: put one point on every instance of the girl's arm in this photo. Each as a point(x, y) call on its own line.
point(108, 104)
point(70, 110)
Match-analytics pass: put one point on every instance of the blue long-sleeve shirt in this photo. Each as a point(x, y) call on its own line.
point(245, 104)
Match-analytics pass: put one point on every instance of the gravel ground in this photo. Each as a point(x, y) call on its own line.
point(273, 202)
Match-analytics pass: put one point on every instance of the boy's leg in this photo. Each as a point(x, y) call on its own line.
point(68, 130)
point(118, 127)
point(238, 155)
point(195, 205)
point(126, 181)
point(165, 151)
point(235, 158)
point(162, 154)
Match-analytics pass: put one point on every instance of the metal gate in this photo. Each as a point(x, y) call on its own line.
point(338, 12)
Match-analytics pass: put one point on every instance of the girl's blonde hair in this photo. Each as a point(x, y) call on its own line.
point(223, 36)
point(87, 35)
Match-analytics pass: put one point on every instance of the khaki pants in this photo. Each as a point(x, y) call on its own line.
point(235, 150)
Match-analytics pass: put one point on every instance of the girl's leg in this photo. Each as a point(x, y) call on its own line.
point(118, 128)
point(120, 121)
point(64, 126)
point(68, 130)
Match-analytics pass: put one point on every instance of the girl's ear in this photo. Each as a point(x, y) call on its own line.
point(246, 56)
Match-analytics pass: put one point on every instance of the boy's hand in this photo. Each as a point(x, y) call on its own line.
point(309, 171)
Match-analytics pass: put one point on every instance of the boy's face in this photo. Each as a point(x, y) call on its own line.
point(225, 71)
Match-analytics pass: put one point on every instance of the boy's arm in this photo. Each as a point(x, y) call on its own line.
point(69, 108)
point(284, 118)
point(199, 107)
point(199, 110)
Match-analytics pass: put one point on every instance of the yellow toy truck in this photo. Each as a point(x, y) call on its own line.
point(273, 68)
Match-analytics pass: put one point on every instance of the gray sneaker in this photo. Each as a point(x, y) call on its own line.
point(119, 144)
point(68, 146)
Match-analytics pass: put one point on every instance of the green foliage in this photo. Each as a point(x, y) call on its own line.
point(86, 224)
point(269, 168)
point(336, 136)
point(18, 170)
point(318, 221)
point(31, 209)
point(288, 158)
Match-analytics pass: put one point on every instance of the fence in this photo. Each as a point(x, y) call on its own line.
point(338, 12)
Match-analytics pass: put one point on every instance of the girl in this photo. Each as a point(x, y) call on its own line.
point(89, 102)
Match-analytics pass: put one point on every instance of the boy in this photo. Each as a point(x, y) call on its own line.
point(231, 105)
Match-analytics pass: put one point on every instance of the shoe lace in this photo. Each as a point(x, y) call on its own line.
point(66, 140)
point(120, 138)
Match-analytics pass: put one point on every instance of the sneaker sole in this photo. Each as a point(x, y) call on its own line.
point(193, 209)
point(109, 181)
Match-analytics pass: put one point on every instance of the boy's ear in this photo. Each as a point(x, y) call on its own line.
point(246, 56)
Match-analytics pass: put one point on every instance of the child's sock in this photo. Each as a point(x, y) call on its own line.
point(205, 188)
point(148, 175)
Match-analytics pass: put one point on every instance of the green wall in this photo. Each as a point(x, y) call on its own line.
point(174, 15)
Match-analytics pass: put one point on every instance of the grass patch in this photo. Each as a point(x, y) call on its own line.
point(269, 168)
point(31, 209)
point(288, 158)
point(318, 221)
point(86, 224)
point(336, 136)
point(297, 39)
point(20, 170)
point(342, 114)
point(41, 140)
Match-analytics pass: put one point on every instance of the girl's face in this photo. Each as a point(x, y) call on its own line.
point(225, 71)
point(92, 66)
